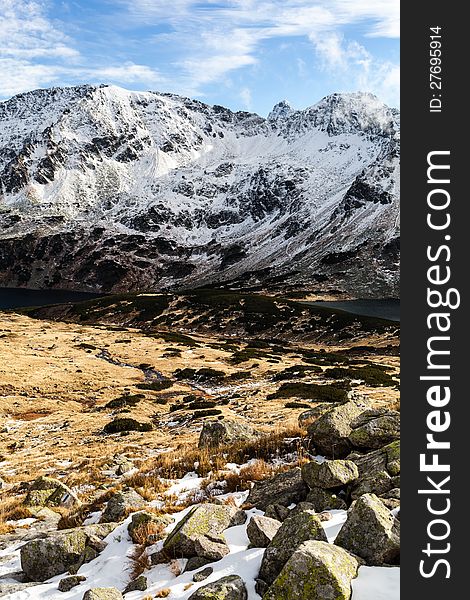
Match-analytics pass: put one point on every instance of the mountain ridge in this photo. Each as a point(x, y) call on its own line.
point(103, 189)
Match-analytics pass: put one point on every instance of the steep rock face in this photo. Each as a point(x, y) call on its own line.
point(106, 189)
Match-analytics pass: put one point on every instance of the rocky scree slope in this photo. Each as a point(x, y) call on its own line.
point(105, 189)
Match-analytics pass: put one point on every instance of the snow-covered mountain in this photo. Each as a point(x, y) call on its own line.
point(107, 189)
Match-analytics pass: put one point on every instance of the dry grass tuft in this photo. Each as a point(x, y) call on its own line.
point(139, 562)
point(163, 593)
point(176, 464)
point(141, 534)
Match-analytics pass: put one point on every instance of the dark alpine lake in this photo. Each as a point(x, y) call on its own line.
point(384, 309)
point(18, 297)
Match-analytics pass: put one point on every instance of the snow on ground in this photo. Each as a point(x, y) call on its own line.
point(110, 569)
point(377, 583)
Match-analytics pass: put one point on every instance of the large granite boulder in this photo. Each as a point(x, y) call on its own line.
point(225, 431)
point(293, 532)
point(375, 428)
point(371, 532)
point(284, 488)
point(330, 432)
point(329, 474)
point(315, 571)
point(206, 520)
point(47, 491)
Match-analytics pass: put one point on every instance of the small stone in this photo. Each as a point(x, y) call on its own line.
point(204, 574)
point(66, 584)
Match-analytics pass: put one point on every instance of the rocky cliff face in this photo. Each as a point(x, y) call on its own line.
point(105, 189)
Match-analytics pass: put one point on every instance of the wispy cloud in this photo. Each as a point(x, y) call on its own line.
point(192, 44)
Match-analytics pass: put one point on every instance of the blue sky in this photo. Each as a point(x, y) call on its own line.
point(245, 54)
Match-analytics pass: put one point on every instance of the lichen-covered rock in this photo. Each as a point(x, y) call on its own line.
point(284, 488)
point(329, 474)
point(330, 432)
point(47, 491)
point(325, 500)
point(225, 431)
point(204, 520)
point(139, 584)
point(68, 583)
point(278, 512)
point(377, 483)
point(62, 551)
point(371, 532)
point(315, 571)
point(385, 459)
point(120, 504)
point(228, 588)
point(142, 520)
point(103, 594)
point(293, 532)
point(374, 429)
point(261, 530)
point(53, 555)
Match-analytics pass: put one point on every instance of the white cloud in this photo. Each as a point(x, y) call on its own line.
point(207, 41)
point(223, 36)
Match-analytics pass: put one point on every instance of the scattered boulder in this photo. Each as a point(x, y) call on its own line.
point(47, 491)
point(120, 504)
point(201, 575)
point(209, 520)
point(225, 431)
point(138, 585)
point(284, 488)
point(325, 500)
point(228, 588)
point(261, 531)
point(385, 459)
point(378, 470)
point(103, 594)
point(329, 474)
point(44, 558)
point(293, 532)
point(377, 483)
point(211, 547)
point(278, 512)
point(150, 520)
point(371, 532)
point(375, 428)
point(60, 551)
point(315, 571)
point(330, 432)
point(68, 583)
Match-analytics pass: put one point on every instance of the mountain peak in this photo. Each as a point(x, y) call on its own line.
point(281, 110)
